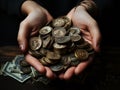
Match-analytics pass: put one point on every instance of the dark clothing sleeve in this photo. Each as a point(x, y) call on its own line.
point(11, 6)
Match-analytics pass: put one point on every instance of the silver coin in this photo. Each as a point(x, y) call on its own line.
point(76, 38)
point(46, 42)
point(57, 67)
point(59, 32)
point(35, 43)
point(63, 40)
point(74, 30)
point(58, 22)
point(58, 46)
point(45, 30)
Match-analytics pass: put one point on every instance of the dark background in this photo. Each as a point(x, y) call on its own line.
point(104, 73)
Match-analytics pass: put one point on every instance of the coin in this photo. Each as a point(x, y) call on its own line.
point(53, 56)
point(58, 22)
point(26, 70)
point(50, 61)
point(83, 45)
point(35, 43)
point(24, 63)
point(43, 62)
point(57, 67)
point(43, 51)
point(65, 61)
point(90, 48)
point(58, 46)
point(74, 30)
point(74, 60)
point(63, 40)
point(68, 22)
point(81, 54)
point(46, 42)
point(59, 32)
point(36, 54)
point(45, 30)
point(76, 38)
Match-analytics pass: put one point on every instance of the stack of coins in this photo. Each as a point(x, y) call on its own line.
point(60, 45)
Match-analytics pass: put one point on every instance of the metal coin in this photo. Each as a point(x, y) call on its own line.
point(74, 30)
point(58, 22)
point(90, 48)
point(58, 46)
point(24, 63)
point(43, 62)
point(51, 43)
point(67, 22)
point(74, 60)
point(57, 67)
point(45, 30)
point(46, 42)
point(36, 54)
point(81, 54)
point(83, 45)
point(50, 61)
point(65, 61)
point(35, 43)
point(60, 49)
point(76, 38)
point(58, 32)
point(53, 56)
point(43, 51)
point(26, 70)
point(63, 40)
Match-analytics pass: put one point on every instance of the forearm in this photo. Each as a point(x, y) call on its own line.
point(32, 6)
point(89, 5)
point(29, 6)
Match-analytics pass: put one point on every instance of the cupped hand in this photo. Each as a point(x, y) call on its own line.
point(36, 17)
point(90, 32)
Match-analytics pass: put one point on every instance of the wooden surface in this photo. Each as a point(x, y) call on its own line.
point(104, 75)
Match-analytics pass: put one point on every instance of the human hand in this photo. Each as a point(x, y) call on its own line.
point(37, 16)
point(90, 32)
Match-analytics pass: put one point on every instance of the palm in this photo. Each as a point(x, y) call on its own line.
point(90, 33)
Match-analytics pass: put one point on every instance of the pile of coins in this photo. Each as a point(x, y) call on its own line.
point(59, 45)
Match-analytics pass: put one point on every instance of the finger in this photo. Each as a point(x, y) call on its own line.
point(61, 76)
point(96, 35)
point(85, 32)
point(69, 73)
point(22, 36)
point(35, 63)
point(49, 73)
point(82, 66)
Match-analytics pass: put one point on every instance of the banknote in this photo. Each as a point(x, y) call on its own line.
point(39, 77)
point(1, 66)
point(13, 70)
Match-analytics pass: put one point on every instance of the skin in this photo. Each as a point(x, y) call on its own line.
point(90, 32)
point(37, 14)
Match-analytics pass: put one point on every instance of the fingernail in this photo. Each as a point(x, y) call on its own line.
point(22, 47)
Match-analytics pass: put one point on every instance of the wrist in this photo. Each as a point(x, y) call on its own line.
point(90, 6)
point(29, 6)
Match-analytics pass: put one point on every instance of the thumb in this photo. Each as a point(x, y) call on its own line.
point(96, 36)
point(23, 36)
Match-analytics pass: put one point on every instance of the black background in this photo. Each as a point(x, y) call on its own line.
point(104, 72)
